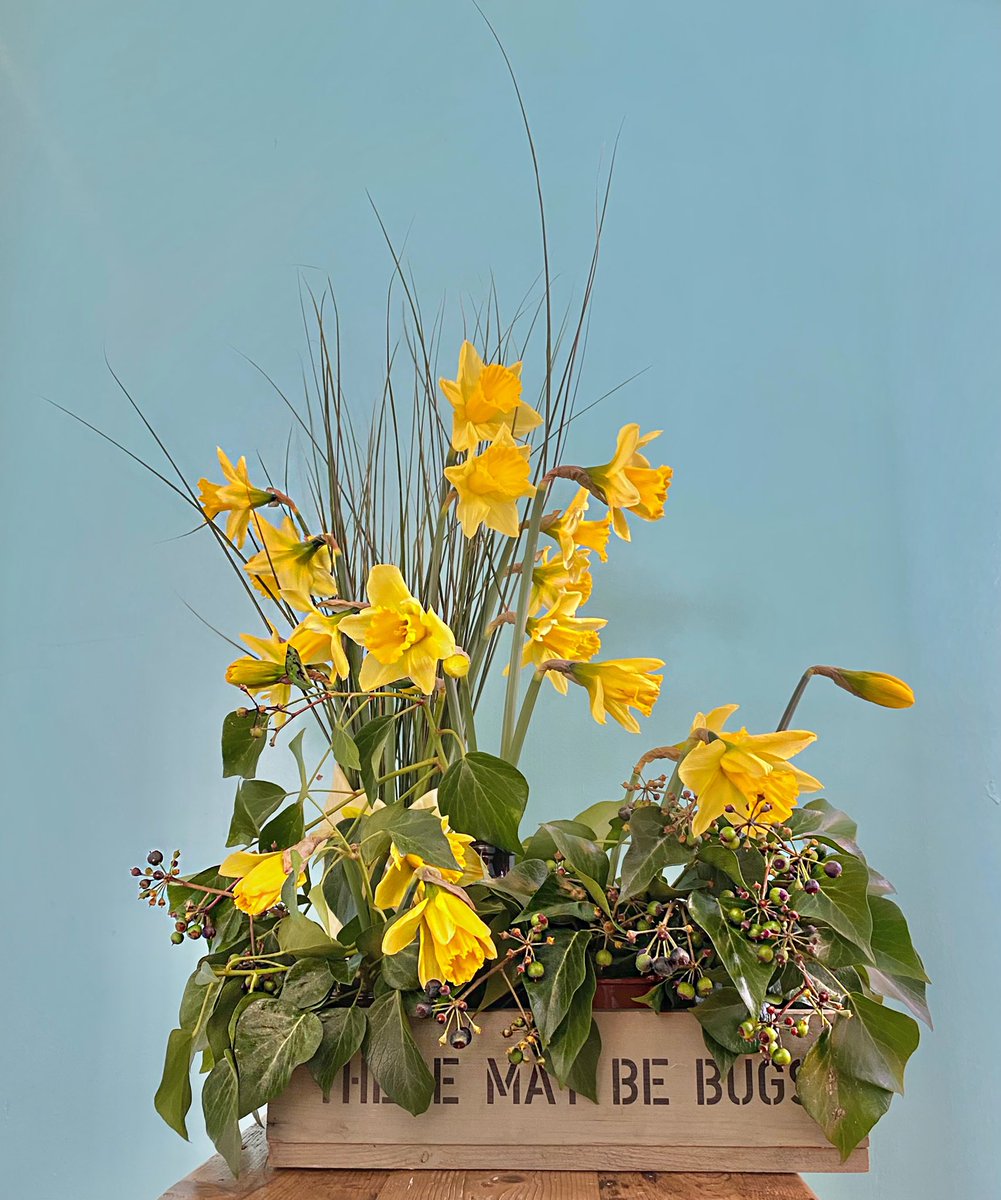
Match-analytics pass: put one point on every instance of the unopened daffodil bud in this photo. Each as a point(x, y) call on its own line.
point(874, 686)
point(456, 665)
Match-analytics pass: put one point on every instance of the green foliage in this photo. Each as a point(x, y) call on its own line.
point(393, 1057)
point(220, 1106)
point(412, 830)
point(566, 967)
point(749, 976)
point(843, 1105)
point(244, 734)
point(272, 1039)
point(484, 796)
point(650, 851)
point(256, 800)
point(343, 1033)
point(173, 1096)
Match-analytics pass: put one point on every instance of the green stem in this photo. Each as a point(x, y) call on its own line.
point(525, 717)
point(520, 621)
point(487, 615)
point(794, 700)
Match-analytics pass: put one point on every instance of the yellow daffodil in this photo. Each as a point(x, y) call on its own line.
point(454, 941)
point(489, 486)
point(329, 626)
point(290, 566)
point(262, 877)
point(878, 688)
point(749, 772)
point(560, 633)
point(399, 874)
point(237, 496)
point(551, 577)
point(618, 685)
point(402, 639)
point(629, 482)
point(267, 673)
point(457, 665)
point(485, 400)
point(570, 529)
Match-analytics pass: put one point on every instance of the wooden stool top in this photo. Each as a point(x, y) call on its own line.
point(259, 1181)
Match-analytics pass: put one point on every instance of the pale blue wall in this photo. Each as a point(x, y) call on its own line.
point(804, 244)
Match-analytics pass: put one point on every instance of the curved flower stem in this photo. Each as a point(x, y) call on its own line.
point(520, 621)
point(794, 699)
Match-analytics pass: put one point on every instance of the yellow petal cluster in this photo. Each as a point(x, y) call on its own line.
point(237, 496)
point(630, 483)
point(400, 868)
point(749, 772)
point(485, 400)
point(571, 529)
point(294, 567)
point(490, 484)
point(875, 686)
point(266, 675)
point(454, 941)
point(560, 633)
point(403, 640)
point(262, 877)
point(617, 686)
point(551, 577)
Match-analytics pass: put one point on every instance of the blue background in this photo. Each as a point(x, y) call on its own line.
point(804, 247)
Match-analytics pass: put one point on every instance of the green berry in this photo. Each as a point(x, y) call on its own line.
point(514, 1055)
point(177, 937)
point(736, 915)
point(728, 894)
point(747, 1029)
point(754, 931)
point(765, 954)
point(781, 1056)
point(704, 986)
point(551, 864)
point(803, 1027)
point(603, 958)
point(643, 963)
point(653, 909)
point(686, 991)
point(535, 970)
point(772, 926)
point(643, 925)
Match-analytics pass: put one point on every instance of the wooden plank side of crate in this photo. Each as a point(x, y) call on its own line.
point(663, 1105)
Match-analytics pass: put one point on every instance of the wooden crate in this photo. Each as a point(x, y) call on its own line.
point(662, 1107)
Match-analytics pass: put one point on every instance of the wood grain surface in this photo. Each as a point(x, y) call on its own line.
point(260, 1181)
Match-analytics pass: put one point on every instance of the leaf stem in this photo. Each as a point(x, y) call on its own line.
point(520, 621)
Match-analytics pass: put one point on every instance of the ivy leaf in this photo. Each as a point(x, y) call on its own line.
point(745, 867)
point(173, 1096)
point(581, 853)
point(522, 881)
point(650, 851)
point(399, 970)
point(572, 1033)
point(256, 800)
point(284, 830)
point(892, 948)
point(541, 844)
point(244, 733)
point(720, 1016)
point(370, 742)
point(484, 796)
point(910, 992)
point(583, 1073)
point(307, 983)
point(843, 903)
point(412, 830)
point(844, 1107)
point(600, 818)
point(297, 934)
point(220, 1094)
point(343, 1034)
point(821, 819)
point(344, 749)
point(272, 1039)
point(565, 963)
point(393, 1057)
point(749, 976)
point(875, 1044)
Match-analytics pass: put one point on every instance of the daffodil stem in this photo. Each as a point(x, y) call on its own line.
point(525, 717)
point(520, 621)
point(794, 700)
point(483, 637)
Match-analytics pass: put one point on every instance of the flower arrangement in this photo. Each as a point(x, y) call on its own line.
point(452, 543)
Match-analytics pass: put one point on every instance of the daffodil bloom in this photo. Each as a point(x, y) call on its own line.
point(489, 486)
point(237, 496)
point(400, 868)
point(267, 673)
point(454, 941)
point(749, 772)
point(262, 877)
point(293, 567)
point(551, 577)
point(618, 685)
point(560, 633)
point(570, 529)
point(402, 639)
point(630, 483)
point(485, 400)
point(329, 626)
point(878, 688)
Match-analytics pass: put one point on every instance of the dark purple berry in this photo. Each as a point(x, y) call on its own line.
point(459, 1039)
point(833, 869)
point(154, 858)
point(811, 887)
